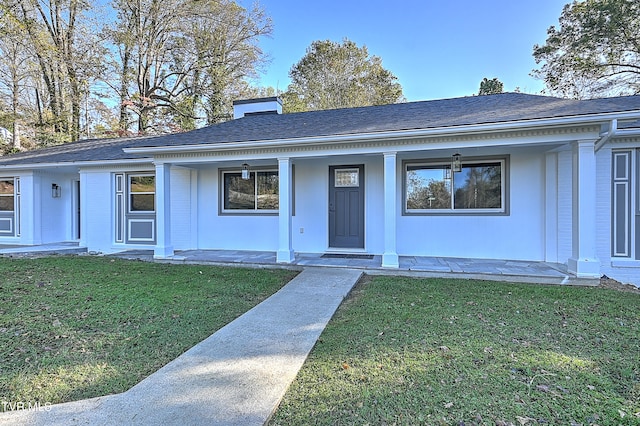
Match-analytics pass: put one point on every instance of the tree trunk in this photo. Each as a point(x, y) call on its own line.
point(39, 106)
point(123, 122)
point(76, 98)
point(14, 112)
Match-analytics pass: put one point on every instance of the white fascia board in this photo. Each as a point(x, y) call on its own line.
point(391, 135)
point(79, 164)
point(626, 133)
point(613, 132)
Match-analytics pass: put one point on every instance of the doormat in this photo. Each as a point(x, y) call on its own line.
point(347, 256)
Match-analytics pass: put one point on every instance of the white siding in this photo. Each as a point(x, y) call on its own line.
point(30, 209)
point(57, 213)
point(43, 218)
point(312, 206)
point(518, 235)
point(230, 232)
point(98, 211)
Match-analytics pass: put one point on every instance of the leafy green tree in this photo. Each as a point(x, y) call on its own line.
point(490, 87)
point(595, 50)
point(339, 75)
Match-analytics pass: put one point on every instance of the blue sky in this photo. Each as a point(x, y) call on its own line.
point(436, 48)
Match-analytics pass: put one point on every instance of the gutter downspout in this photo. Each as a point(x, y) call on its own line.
point(604, 137)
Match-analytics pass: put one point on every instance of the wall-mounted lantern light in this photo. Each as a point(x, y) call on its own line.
point(456, 163)
point(245, 171)
point(55, 190)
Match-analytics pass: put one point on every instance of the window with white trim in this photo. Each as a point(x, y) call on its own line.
point(258, 194)
point(430, 187)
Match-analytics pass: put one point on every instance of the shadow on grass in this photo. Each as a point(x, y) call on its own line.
point(431, 351)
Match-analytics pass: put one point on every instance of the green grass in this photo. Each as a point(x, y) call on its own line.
point(437, 351)
point(80, 327)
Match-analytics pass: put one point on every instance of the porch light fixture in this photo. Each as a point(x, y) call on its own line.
point(55, 190)
point(456, 163)
point(245, 171)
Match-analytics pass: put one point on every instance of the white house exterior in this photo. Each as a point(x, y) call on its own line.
point(541, 179)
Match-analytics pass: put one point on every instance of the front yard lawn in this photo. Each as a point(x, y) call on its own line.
point(80, 327)
point(451, 352)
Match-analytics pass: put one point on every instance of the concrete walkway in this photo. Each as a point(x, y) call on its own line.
point(237, 376)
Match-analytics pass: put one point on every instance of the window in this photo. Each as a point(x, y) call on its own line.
point(431, 187)
point(142, 193)
point(347, 178)
point(625, 212)
point(259, 193)
point(7, 195)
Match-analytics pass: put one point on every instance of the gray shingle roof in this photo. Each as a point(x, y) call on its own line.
point(502, 108)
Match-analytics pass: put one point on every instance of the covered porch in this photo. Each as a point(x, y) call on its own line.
point(545, 191)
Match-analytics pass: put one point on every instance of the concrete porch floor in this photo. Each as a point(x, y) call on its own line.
point(420, 266)
point(65, 247)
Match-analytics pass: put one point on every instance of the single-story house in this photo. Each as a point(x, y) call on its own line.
point(508, 176)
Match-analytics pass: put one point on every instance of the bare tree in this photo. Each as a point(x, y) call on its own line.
point(173, 64)
point(14, 72)
point(178, 60)
point(64, 49)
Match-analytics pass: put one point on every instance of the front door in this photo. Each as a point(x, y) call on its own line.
point(346, 206)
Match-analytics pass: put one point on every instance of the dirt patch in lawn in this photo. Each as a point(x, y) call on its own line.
point(606, 282)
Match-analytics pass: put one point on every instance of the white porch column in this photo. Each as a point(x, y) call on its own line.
point(583, 261)
point(84, 208)
point(285, 252)
point(30, 209)
point(163, 248)
point(390, 256)
point(551, 207)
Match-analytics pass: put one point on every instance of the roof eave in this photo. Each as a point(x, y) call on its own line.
point(93, 163)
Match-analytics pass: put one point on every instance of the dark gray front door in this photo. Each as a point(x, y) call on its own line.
point(346, 206)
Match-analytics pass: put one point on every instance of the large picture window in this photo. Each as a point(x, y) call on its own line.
point(258, 194)
point(7, 195)
point(432, 187)
point(142, 193)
